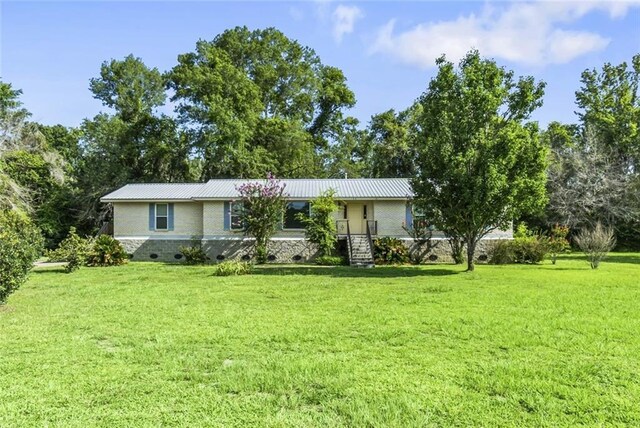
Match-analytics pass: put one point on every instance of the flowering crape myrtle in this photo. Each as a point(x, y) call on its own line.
point(263, 205)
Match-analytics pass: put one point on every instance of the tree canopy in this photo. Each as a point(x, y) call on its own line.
point(480, 165)
point(257, 102)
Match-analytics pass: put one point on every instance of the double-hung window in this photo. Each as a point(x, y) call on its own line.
point(162, 216)
point(235, 211)
point(420, 219)
point(291, 220)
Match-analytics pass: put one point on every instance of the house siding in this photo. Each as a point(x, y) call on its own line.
point(131, 219)
point(390, 216)
point(205, 222)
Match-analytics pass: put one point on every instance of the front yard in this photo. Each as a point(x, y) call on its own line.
point(150, 344)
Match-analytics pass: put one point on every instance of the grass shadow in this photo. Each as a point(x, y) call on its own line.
point(48, 270)
point(349, 272)
point(631, 258)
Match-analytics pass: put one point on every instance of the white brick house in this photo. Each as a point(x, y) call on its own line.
point(153, 220)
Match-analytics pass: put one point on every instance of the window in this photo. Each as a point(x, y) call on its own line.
point(236, 215)
point(420, 219)
point(162, 216)
point(291, 212)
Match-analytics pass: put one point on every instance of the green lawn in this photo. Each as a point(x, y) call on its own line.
point(151, 344)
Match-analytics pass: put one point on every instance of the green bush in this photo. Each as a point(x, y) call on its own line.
point(501, 253)
point(232, 268)
point(390, 251)
point(20, 246)
point(558, 242)
point(194, 255)
point(73, 249)
point(525, 248)
point(320, 226)
point(330, 261)
point(530, 250)
point(107, 251)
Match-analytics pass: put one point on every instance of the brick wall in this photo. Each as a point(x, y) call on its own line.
point(131, 219)
point(390, 216)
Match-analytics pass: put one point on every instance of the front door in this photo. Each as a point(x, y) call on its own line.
point(355, 215)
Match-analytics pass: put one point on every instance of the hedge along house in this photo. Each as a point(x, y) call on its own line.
point(152, 221)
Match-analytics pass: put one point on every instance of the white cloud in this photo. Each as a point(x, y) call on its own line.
point(344, 19)
point(525, 33)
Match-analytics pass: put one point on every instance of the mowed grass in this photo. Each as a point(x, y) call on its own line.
point(167, 345)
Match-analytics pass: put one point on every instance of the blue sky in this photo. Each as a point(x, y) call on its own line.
point(51, 49)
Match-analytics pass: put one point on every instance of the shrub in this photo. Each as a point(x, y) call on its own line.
point(20, 246)
point(501, 253)
point(558, 241)
point(596, 243)
point(194, 255)
point(390, 250)
point(330, 261)
point(530, 250)
point(107, 251)
point(320, 226)
point(525, 248)
point(73, 249)
point(232, 268)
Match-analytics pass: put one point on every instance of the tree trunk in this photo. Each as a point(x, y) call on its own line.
point(471, 250)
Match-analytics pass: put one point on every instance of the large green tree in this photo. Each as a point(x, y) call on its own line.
point(258, 102)
point(609, 113)
point(392, 143)
point(26, 160)
point(480, 164)
point(134, 143)
point(609, 104)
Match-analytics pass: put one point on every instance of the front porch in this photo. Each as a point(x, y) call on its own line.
point(358, 227)
point(356, 218)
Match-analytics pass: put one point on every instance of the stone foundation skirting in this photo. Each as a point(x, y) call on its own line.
point(289, 250)
point(441, 253)
point(168, 250)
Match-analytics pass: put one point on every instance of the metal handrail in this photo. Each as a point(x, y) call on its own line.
point(349, 243)
point(373, 225)
point(370, 239)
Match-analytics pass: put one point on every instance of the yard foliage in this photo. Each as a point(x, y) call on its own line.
point(107, 251)
point(320, 226)
point(232, 268)
point(596, 243)
point(389, 250)
point(526, 247)
point(194, 254)
point(558, 242)
point(74, 250)
point(20, 246)
point(263, 206)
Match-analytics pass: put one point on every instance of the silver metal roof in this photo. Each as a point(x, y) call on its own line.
point(154, 192)
point(226, 189)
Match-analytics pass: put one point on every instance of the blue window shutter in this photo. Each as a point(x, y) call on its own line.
point(170, 219)
point(408, 216)
point(152, 216)
point(227, 216)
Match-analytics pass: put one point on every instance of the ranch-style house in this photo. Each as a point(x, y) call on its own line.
point(152, 221)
